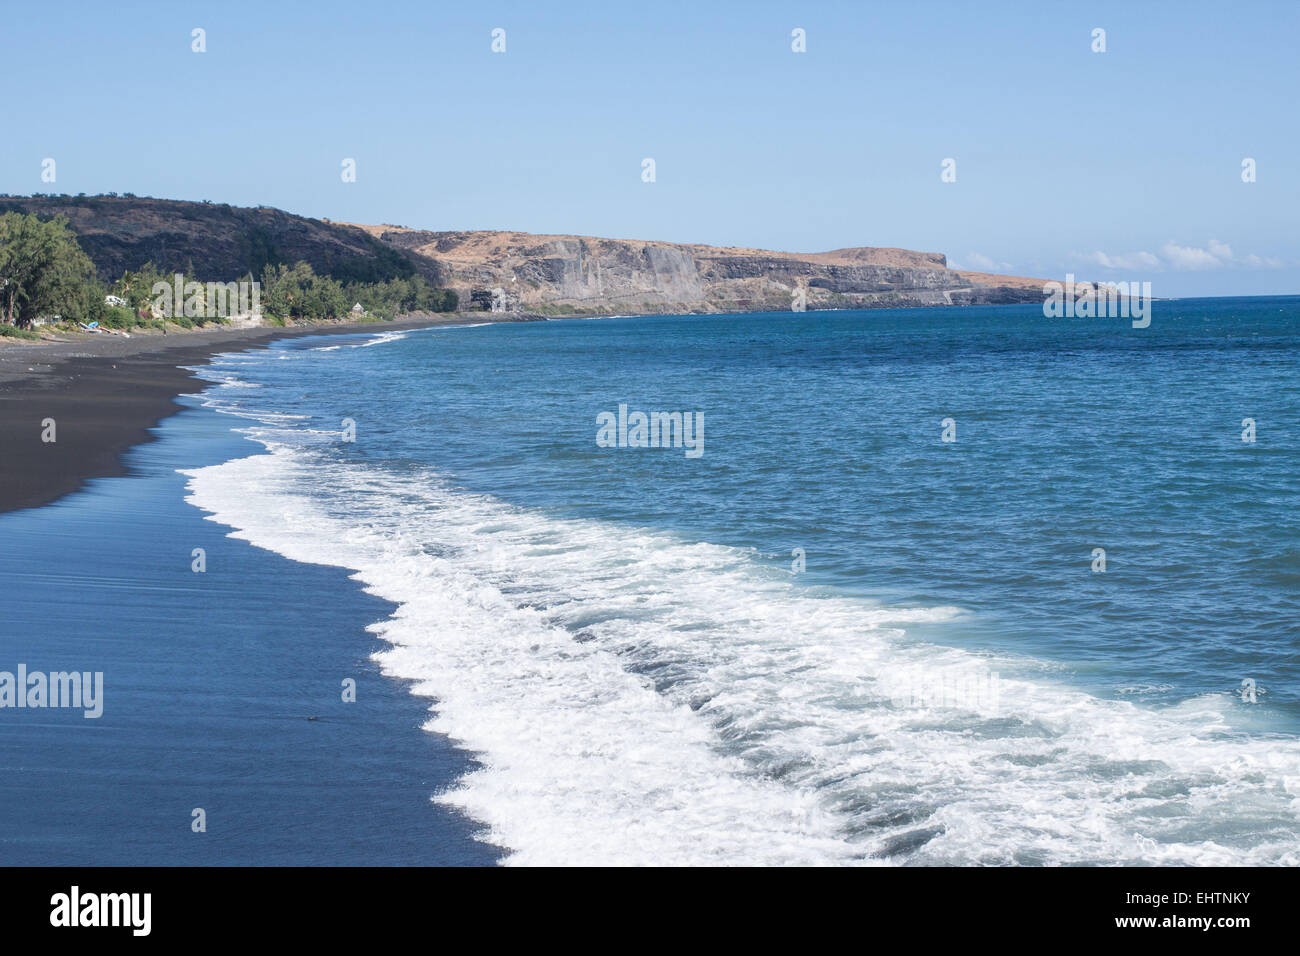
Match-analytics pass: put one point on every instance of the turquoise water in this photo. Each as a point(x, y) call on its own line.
point(832, 637)
point(942, 673)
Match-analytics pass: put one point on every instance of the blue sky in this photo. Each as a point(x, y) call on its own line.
point(1117, 165)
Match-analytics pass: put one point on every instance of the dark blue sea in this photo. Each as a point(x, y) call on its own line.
point(940, 586)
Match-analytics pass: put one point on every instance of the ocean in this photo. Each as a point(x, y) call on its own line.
point(910, 587)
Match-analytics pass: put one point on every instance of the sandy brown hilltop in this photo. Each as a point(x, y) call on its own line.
point(566, 274)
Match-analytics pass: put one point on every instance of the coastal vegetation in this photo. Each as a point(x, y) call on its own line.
point(46, 277)
point(298, 292)
point(10, 332)
point(42, 269)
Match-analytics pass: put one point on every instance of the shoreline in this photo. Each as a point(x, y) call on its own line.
point(105, 394)
point(235, 671)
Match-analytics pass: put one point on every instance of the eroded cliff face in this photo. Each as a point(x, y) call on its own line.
point(579, 274)
point(546, 274)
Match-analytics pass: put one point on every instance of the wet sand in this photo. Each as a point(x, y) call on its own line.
point(105, 392)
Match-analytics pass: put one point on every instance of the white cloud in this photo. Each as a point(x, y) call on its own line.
point(1134, 260)
point(1213, 255)
point(1262, 262)
point(1216, 254)
point(1190, 257)
point(979, 262)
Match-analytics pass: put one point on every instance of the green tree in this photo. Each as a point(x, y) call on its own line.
point(298, 292)
point(42, 269)
point(136, 286)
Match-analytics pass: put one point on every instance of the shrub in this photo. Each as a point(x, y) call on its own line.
point(117, 317)
point(11, 332)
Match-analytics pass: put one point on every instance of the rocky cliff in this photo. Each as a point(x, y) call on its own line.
point(547, 274)
point(580, 274)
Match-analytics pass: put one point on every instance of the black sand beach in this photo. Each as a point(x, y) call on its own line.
point(105, 392)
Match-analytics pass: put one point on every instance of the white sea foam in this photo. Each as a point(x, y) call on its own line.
point(637, 698)
point(384, 338)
